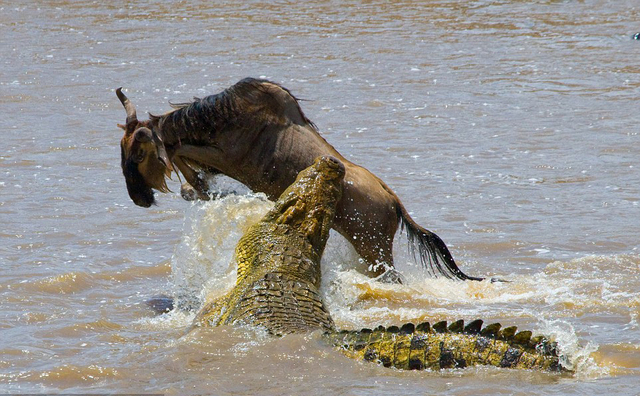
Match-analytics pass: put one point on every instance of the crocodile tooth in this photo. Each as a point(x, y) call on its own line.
point(491, 330)
point(457, 326)
point(474, 327)
point(440, 327)
point(407, 328)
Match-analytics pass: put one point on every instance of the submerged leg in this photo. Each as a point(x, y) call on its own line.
point(160, 304)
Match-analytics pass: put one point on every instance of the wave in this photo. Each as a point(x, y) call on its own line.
point(551, 302)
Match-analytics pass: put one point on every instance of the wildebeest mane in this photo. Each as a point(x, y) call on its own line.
point(247, 101)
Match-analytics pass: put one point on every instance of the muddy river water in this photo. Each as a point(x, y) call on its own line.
point(508, 127)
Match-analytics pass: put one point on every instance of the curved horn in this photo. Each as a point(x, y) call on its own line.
point(128, 106)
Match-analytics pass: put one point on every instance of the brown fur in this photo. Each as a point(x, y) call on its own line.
point(256, 133)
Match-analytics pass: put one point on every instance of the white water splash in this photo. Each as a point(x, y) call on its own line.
point(574, 356)
point(546, 302)
point(203, 260)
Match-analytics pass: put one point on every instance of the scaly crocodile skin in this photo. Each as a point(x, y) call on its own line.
point(278, 289)
point(422, 347)
point(279, 259)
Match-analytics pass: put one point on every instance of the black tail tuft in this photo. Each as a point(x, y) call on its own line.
point(427, 248)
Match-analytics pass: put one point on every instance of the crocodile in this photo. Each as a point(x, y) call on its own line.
point(278, 282)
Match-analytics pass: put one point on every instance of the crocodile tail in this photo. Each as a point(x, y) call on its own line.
point(427, 247)
point(440, 346)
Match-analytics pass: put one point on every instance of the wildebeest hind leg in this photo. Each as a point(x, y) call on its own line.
point(382, 268)
point(379, 259)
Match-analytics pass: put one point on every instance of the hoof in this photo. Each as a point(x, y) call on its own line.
point(189, 193)
point(392, 276)
point(160, 304)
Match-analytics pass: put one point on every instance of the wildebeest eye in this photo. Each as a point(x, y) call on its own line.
point(139, 156)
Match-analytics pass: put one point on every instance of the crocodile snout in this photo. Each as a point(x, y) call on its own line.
point(331, 162)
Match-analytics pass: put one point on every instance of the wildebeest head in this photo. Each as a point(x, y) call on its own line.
point(145, 162)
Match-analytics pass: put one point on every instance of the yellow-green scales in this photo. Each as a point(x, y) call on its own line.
point(278, 288)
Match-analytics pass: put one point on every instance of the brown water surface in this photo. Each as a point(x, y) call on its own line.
point(508, 127)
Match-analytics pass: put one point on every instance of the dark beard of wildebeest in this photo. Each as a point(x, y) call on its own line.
point(256, 133)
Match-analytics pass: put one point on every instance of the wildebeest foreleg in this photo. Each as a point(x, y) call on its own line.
point(196, 186)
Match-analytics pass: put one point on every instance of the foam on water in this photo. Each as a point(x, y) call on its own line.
point(175, 319)
point(203, 260)
point(545, 302)
point(575, 356)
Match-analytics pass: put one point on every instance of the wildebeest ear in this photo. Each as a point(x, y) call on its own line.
point(124, 127)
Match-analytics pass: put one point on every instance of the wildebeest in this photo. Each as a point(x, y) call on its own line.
point(255, 132)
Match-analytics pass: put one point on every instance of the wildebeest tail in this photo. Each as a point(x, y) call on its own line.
point(427, 248)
